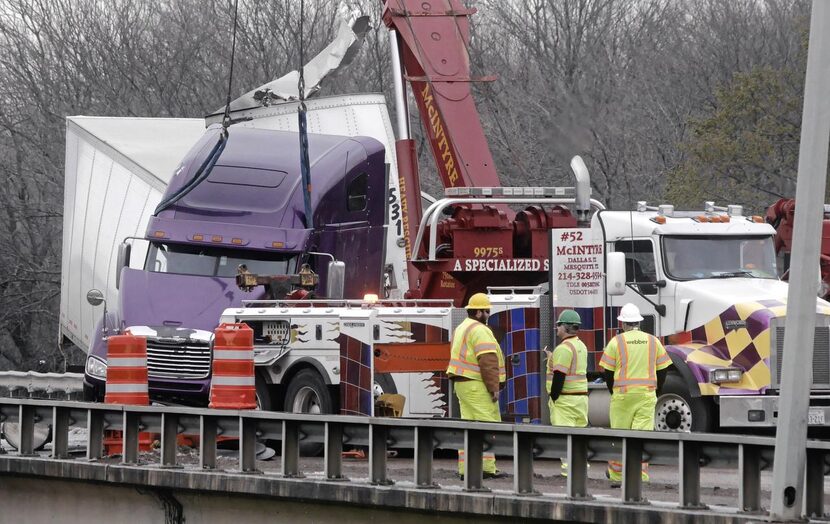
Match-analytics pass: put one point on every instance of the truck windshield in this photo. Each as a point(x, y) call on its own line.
point(215, 261)
point(694, 257)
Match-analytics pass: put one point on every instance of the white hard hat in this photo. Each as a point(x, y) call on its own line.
point(630, 313)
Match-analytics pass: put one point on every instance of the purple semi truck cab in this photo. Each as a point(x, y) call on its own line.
point(248, 210)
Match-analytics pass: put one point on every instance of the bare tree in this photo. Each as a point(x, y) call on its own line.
point(124, 58)
point(625, 83)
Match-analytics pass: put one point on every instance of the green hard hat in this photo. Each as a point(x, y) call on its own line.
point(569, 316)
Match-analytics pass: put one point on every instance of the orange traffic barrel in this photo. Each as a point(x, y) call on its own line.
point(232, 385)
point(127, 370)
point(114, 442)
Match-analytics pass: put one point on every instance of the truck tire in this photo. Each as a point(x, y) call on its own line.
point(678, 411)
point(263, 396)
point(384, 383)
point(307, 393)
point(93, 394)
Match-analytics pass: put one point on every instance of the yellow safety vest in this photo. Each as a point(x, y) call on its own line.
point(471, 340)
point(571, 358)
point(634, 357)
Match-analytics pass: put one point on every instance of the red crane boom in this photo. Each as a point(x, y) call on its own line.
point(436, 61)
point(430, 48)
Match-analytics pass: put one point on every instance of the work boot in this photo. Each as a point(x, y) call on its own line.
point(488, 475)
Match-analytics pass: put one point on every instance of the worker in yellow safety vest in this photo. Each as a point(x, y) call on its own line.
point(566, 380)
point(477, 371)
point(635, 365)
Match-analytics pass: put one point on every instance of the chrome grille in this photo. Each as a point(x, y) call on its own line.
point(188, 359)
point(821, 353)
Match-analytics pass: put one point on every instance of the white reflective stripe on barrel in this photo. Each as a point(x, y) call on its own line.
point(131, 362)
point(232, 381)
point(126, 388)
point(233, 354)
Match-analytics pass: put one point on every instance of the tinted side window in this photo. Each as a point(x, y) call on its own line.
point(639, 263)
point(356, 193)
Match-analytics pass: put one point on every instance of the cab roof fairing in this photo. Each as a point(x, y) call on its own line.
point(736, 227)
point(240, 198)
point(625, 224)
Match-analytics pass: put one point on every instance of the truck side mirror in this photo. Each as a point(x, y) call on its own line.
point(124, 250)
point(336, 279)
point(94, 297)
point(615, 274)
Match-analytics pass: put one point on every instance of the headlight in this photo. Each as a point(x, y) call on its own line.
point(725, 375)
point(96, 367)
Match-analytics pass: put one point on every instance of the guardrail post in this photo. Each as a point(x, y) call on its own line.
point(60, 432)
point(169, 437)
point(578, 468)
point(632, 482)
point(247, 444)
point(26, 422)
point(333, 451)
point(95, 434)
point(423, 457)
point(689, 462)
point(523, 463)
point(814, 484)
point(749, 465)
point(129, 442)
point(473, 460)
point(291, 449)
point(378, 474)
point(207, 441)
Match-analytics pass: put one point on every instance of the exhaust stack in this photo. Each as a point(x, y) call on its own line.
point(583, 189)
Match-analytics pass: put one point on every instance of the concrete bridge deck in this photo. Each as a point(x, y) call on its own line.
point(77, 491)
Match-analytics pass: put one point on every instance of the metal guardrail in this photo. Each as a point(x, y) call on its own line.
point(48, 385)
point(525, 443)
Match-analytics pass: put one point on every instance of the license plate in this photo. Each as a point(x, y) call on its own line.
point(815, 417)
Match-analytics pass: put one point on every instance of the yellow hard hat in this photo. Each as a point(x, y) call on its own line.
point(478, 301)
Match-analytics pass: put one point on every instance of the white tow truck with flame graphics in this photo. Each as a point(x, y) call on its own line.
point(338, 356)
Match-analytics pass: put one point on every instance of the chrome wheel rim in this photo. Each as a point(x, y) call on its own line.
point(306, 401)
point(672, 413)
